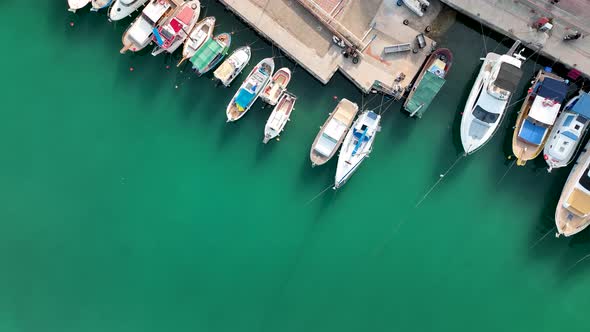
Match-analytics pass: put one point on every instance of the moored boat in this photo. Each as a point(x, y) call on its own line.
point(139, 34)
point(173, 31)
point(429, 82)
point(233, 65)
point(210, 53)
point(74, 5)
point(279, 117)
point(332, 132)
point(123, 8)
point(569, 131)
point(417, 6)
point(250, 89)
point(276, 86)
point(100, 4)
point(356, 146)
point(572, 214)
point(197, 37)
point(537, 115)
point(489, 98)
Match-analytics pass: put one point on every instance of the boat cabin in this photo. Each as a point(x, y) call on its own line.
point(504, 80)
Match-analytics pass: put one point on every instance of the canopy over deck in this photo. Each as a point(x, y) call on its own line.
point(531, 132)
point(508, 77)
point(427, 89)
point(205, 54)
point(545, 110)
point(582, 106)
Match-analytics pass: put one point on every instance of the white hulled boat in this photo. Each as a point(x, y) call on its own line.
point(417, 6)
point(356, 146)
point(568, 132)
point(279, 117)
point(100, 4)
point(77, 4)
point(197, 37)
point(123, 8)
point(572, 214)
point(250, 90)
point(173, 31)
point(139, 34)
point(233, 65)
point(276, 87)
point(486, 105)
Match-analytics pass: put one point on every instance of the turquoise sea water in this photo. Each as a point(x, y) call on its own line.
point(130, 205)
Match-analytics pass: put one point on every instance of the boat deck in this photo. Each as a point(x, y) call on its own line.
point(570, 222)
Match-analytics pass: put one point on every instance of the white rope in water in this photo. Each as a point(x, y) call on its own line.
point(439, 180)
point(541, 238)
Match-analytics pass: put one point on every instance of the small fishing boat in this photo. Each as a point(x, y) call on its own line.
point(489, 98)
point(139, 34)
point(276, 87)
point(250, 89)
point(569, 131)
point(77, 4)
point(572, 214)
point(429, 82)
point(417, 6)
point(332, 132)
point(211, 53)
point(537, 115)
point(233, 65)
point(123, 8)
point(356, 146)
point(279, 117)
point(174, 30)
point(197, 37)
point(100, 4)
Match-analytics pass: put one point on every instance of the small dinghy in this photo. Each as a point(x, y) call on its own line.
point(211, 53)
point(276, 87)
point(233, 65)
point(417, 6)
point(197, 37)
point(568, 132)
point(250, 90)
point(357, 146)
point(332, 132)
point(123, 8)
point(174, 30)
point(279, 117)
point(100, 4)
point(139, 34)
point(77, 4)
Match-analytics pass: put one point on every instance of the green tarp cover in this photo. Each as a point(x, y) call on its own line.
point(205, 54)
point(427, 89)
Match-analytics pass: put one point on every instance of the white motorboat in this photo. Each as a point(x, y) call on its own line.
point(139, 34)
point(250, 89)
point(487, 102)
point(197, 37)
point(77, 4)
point(568, 132)
point(279, 117)
point(173, 31)
point(417, 6)
point(276, 87)
point(356, 146)
point(572, 214)
point(100, 4)
point(123, 8)
point(233, 65)
point(332, 132)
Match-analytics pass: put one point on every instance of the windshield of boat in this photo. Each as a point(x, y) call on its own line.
point(585, 179)
point(485, 116)
point(505, 82)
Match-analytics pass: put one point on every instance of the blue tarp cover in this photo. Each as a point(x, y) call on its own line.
point(582, 106)
point(531, 132)
point(244, 98)
point(553, 89)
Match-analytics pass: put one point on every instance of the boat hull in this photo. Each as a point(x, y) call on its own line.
point(119, 10)
point(182, 34)
point(279, 117)
point(202, 31)
point(237, 61)
point(272, 93)
point(234, 111)
point(77, 4)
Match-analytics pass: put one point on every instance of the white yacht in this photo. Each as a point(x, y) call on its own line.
point(233, 65)
point(568, 132)
point(74, 5)
point(356, 146)
point(486, 105)
point(123, 8)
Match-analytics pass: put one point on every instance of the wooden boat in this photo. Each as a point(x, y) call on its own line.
point(250, 90)
point(173, 31)
point(211, 53)
point(123, 8)
point(74, 5)
point(572, 214)
point(279, 117)
point(276, 87)
point(537, 115)
point(332, 132)
point(233, 65)
point(197, 37)
point(139, 34)
point(429, 82)
point(100, 4)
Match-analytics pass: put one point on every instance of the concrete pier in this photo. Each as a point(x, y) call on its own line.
point(306, 36)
